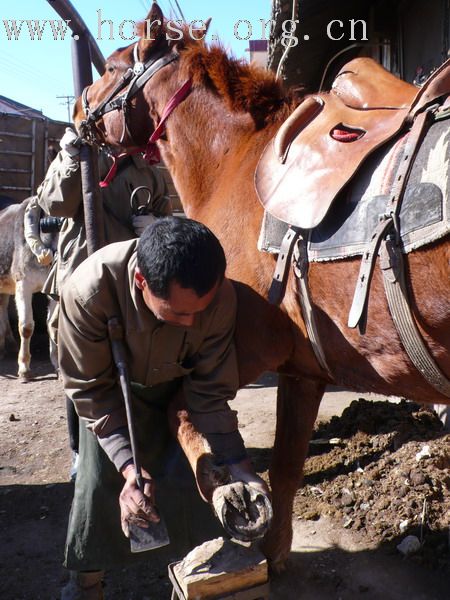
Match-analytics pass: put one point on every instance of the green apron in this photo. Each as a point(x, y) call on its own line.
point(95, 540)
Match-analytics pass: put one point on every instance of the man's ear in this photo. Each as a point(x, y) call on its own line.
point(139, 279)
point(151, 30)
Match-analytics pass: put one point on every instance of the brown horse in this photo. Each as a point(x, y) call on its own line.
point(211, 144)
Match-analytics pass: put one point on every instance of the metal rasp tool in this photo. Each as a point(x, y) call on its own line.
point(155, 535)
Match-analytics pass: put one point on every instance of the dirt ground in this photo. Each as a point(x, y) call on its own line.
point(375, 475)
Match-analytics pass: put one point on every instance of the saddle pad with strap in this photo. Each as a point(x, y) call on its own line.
point(424, 213)
point(347, 228)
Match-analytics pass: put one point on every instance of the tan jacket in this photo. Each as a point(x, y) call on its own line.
point(60, 195)
point(203, 355)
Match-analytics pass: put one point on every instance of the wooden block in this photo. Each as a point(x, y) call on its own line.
point(219, 567)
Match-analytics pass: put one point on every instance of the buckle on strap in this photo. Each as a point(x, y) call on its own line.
point(281, 274)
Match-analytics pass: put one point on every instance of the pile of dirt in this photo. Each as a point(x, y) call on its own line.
point(382, 470)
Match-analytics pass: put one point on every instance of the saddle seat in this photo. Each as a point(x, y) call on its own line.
point(364, 84)
point(322, 144)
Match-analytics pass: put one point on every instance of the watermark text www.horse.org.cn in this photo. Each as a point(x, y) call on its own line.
point(127, 30)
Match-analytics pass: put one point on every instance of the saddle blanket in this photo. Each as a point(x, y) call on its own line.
point(347, 228)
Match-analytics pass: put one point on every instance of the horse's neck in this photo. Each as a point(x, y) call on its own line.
point(212, 155)
point(206, 147)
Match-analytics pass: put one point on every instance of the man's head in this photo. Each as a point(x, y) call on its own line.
point(180, 267)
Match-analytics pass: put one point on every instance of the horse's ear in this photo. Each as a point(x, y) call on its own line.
point(207, 24)
point(151, 30)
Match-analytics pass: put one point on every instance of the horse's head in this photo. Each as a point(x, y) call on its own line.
point(115, 110)
point(144, 82)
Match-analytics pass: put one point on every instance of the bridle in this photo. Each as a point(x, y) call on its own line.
point(134, 79)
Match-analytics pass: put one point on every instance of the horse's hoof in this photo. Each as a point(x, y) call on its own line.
point(245, 512)
point(25, 375)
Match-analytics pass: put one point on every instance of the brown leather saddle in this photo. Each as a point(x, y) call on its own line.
point(322, 144)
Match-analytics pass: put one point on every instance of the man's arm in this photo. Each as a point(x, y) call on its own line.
point(90, 380)
point(60, 194)
point(31, 232)
point(87, 367)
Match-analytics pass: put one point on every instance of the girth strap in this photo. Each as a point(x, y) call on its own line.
point(301, 265)
point(392, 266)
point(358, 310)
point(357, 315)
point(293, 249)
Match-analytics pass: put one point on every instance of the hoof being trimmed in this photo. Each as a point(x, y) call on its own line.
point(244, 511)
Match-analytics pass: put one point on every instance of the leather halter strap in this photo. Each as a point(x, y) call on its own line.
point(151, 151)
point(152, 155)
point(135, 78)
point(176, 99)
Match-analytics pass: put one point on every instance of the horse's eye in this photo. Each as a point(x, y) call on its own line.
point(111, 69)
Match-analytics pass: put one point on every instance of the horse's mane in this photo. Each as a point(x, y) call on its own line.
point(244, 87)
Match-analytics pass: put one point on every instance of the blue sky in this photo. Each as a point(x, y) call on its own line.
point(36, 72)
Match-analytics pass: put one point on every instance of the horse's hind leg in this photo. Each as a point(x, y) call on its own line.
point(298, 403)
point(26, 327)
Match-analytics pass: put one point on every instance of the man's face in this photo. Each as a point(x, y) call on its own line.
point(180, 307)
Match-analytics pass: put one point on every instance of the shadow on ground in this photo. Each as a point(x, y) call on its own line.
point(33, 523)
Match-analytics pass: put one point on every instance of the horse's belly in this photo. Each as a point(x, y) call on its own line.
point(376, 360)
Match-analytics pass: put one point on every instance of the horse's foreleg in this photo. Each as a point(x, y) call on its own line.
point(197, 450)
point(297, 406)
point(238, 500)
point(26, 327)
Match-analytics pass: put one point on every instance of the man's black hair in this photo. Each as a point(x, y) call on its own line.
point(181, 250)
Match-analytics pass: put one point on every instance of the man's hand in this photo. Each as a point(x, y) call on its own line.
point(70, 143)
point(137, 507)
point(43, 255)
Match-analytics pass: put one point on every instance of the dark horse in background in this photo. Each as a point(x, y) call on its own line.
point(211, 144)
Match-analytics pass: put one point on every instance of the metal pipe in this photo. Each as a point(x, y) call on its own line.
point(17, 135)
point(46, 147)
point(81, 64)
point(92, 201)
point(15, 188)
point(33, 157)
point(67, 12)
point(16, 152)
point(85, 49)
